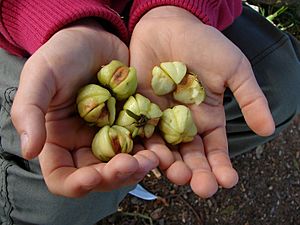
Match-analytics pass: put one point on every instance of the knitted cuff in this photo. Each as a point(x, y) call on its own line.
point(28, 24)
point(217, 13)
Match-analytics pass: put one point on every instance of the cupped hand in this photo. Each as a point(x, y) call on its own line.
point(44, 113)
point(168, 33)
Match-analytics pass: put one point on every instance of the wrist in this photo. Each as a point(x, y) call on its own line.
point(88, 40)
point(170, 13)
point(85, 22)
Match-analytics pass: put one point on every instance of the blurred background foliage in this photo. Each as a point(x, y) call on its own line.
point(285, 14)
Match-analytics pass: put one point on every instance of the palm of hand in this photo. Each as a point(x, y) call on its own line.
point(218, 64)
point(53, 125)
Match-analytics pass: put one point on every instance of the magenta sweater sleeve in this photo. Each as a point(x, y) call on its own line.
point(217, 13)
point(27, 24)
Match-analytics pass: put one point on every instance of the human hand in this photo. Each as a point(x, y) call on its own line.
point(169, 33)
point(44, 113)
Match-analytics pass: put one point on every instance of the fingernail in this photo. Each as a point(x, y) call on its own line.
point(123, 176)
point(150, 165)
point(139, 176)
point(90, 186)
point(24, 142)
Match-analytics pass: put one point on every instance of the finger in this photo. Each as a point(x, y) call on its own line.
point(61, 176)
point(137, 147)
point(215, 143)
point(203, 181)
point(147, 161)
point(30, 105)
point(251, 100)
point(178, 173)
point(117, 171)
point(114, 178)
point(62, 132)
point(207, 117)
point(84, 157)
point(158, 146)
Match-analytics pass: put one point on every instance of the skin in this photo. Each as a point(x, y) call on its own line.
point(70, 59)
point(169, 33)
point(52, 129)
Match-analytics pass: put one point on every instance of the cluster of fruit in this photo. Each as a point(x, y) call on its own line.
point(97, 104)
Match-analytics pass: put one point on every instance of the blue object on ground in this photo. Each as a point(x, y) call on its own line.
point(142, 193)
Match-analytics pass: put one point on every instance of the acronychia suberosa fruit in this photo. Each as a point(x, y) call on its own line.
point(110, 141)
point(177, 125)
point(140, 116)
point(96, 105)
point(174, 77)
point(189, 90)
point(119, 78)
point(166, 76)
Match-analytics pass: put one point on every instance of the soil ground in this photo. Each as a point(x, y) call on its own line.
point(268, 192)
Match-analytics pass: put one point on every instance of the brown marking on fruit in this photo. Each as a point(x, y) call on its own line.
point(120, 75)
point(141, 133)
point(104, 113)
point(90, 106)
point(116, 144)
point(153, 121)
point(185, 83)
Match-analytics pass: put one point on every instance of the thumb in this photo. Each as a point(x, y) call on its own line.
point(30, 106)
point(252, 101)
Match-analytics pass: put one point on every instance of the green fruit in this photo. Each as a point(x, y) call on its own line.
point(177, 125)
